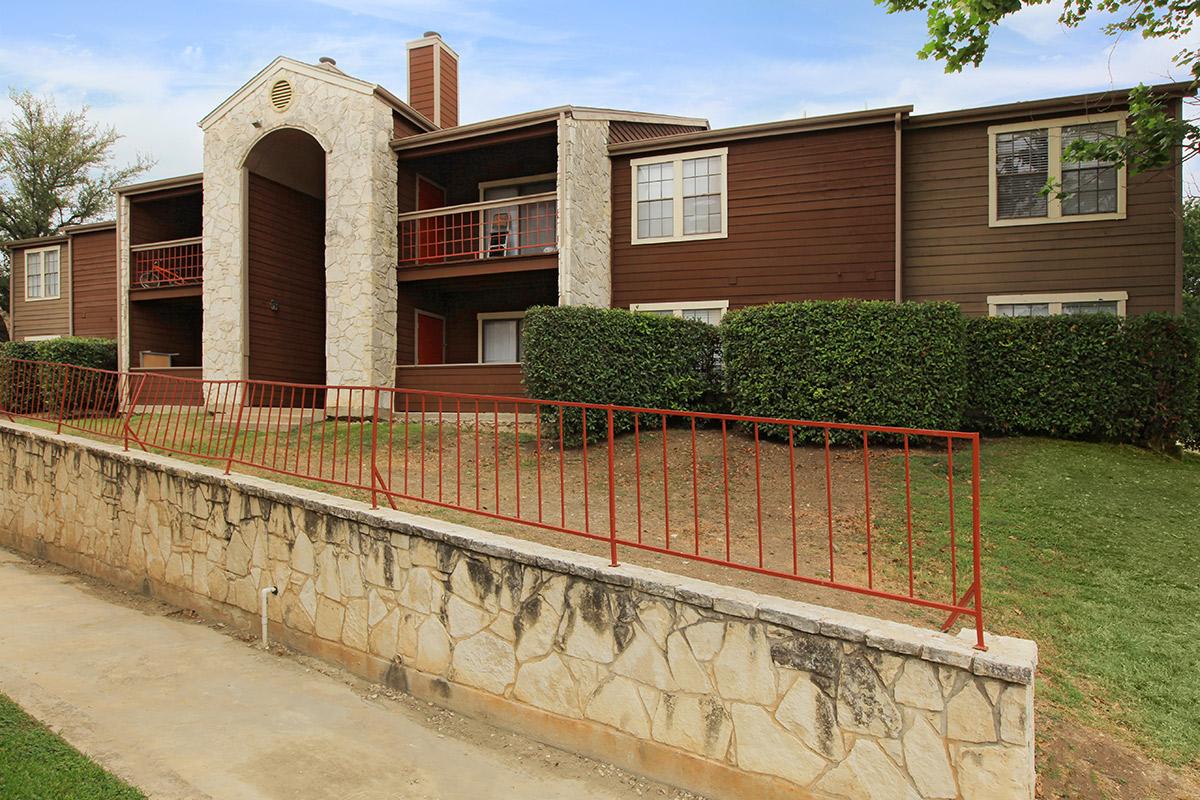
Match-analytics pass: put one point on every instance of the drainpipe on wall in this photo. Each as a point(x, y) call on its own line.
point(899, 257)
point(270, 590)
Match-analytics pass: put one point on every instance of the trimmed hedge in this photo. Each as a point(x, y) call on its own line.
point(1085, 377)
point(866, 362)
point(619, 357)
point(77, 351)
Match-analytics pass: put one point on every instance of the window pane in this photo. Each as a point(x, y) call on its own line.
point(1091, 307)
point(1090, 186)
point(656, 218)
point(501, 340)
point(50, 273)
point(1023, 310)
point(33, 274)
point(1022, 169)
point(710, 315)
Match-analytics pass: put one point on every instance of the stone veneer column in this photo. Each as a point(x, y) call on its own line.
point(584, 213)
point(354, 128)
point(124, 360)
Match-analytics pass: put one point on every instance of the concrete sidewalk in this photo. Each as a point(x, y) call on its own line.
point(184, 711)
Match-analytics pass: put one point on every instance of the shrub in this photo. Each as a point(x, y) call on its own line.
point(612, 356)
point(865, 362)
point(14, 394)
point(100, 395)
point(1085, 377)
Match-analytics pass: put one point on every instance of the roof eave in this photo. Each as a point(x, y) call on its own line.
point(162, 183)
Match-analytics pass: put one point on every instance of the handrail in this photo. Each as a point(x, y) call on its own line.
point(528, 199)
point(137, 248)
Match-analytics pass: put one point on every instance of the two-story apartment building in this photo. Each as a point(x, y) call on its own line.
point(338, 234)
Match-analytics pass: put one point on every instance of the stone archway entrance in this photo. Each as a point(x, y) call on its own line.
point(285, 258)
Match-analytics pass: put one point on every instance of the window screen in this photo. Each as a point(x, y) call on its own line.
point(33, 275)
point(502, 340)
point(50, 273)
point(1091, 307)
point(1023, 310)
point(1089, 187)
point(1022, 169)
point(656, 204)
point(702, 195)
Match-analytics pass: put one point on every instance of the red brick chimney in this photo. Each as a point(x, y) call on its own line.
point(433, 79)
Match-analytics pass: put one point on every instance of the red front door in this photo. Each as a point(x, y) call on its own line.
point(430, 232)
point(431, 339)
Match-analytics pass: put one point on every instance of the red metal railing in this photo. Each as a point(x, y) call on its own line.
point(514, 227)
point(721, 490)
point(166, 264)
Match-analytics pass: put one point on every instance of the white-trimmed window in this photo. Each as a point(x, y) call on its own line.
point(709, 311)
point(42, 274)
point(1024, 156)
point(1046, 305)
point(500, 337)
point(680, 197)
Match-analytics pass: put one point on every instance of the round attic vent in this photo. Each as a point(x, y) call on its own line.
point(281, 95)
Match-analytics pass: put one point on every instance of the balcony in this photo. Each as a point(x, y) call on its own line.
point(494, 236)
point(170, 268)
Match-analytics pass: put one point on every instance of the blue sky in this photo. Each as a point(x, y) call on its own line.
point(154, 69)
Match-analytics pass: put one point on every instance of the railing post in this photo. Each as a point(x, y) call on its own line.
point(62, 400)
point(975, 543)
point(374, 445)
point(129, 408)
point(242, 387)
point(612, 489)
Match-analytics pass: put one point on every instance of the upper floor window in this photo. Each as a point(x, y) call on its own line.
point(42, 274)
point(1045, 305)
point(680, 197)
point(1024, 157)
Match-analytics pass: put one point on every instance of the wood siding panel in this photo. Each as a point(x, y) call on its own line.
point(402, 128)
point(621, 131)
point(449, 81)
point(167, 326)
point(811, 216)
point(40, 317)
point(420, 80)
point(176, 215)
point(494, 379)
point(286, 264)
point(94, 283)
point(950, 252)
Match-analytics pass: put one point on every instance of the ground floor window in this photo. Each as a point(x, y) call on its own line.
point(1045, 305)
point(500, 337)
point(709, 311)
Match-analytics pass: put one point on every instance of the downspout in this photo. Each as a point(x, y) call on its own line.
point(560, 190)
point(899, 236)
point(264, 594)
point(70, 284)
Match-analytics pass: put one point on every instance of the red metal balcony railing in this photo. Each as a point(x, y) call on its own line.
point(718, 490)
point(160, 265)
point(519, 226)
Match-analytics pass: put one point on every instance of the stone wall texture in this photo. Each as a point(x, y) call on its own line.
point(722, 691)
point(354, 128)
point(585, 213)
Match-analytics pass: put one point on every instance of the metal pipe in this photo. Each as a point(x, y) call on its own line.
point(263, 595)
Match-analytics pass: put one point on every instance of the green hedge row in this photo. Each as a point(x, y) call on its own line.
point(1085, 377)
point(867, 362)
point(611, 356)
point(74, 350)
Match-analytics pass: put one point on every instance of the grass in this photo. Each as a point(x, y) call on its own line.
point(37, 765)
point(1092, 550)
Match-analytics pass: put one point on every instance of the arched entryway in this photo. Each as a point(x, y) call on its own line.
point(285, 258)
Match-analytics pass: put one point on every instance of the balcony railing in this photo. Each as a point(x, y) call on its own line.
point(519, 226)
point(161, 265)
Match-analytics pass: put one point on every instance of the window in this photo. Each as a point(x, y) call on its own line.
point(680, 197)
point(500, 337)
point(709, 311)
point(1025, 156)
point(1029, 305)
point(42, 274)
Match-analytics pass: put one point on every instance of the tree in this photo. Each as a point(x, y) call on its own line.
point(958, 35)
point(1191, 258)
point(55, 169)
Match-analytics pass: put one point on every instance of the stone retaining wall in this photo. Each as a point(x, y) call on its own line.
point(723, 691)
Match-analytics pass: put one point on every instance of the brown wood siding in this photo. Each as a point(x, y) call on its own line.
point(620, 131)
point(40, 317)
point(94, 283)
point(950, 253)
point(462, 172)
point(495, 379)
point(175, 215)
point(449, 81)
point(460, 300)
point(811, 216)
point(286, 264)
point(167, 326)
point(420, 80)
point(401, 127)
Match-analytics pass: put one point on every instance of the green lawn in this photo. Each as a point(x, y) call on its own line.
point(1094, 551)
point(37, 765)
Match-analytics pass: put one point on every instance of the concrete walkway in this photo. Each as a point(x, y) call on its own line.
point(185, 711)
